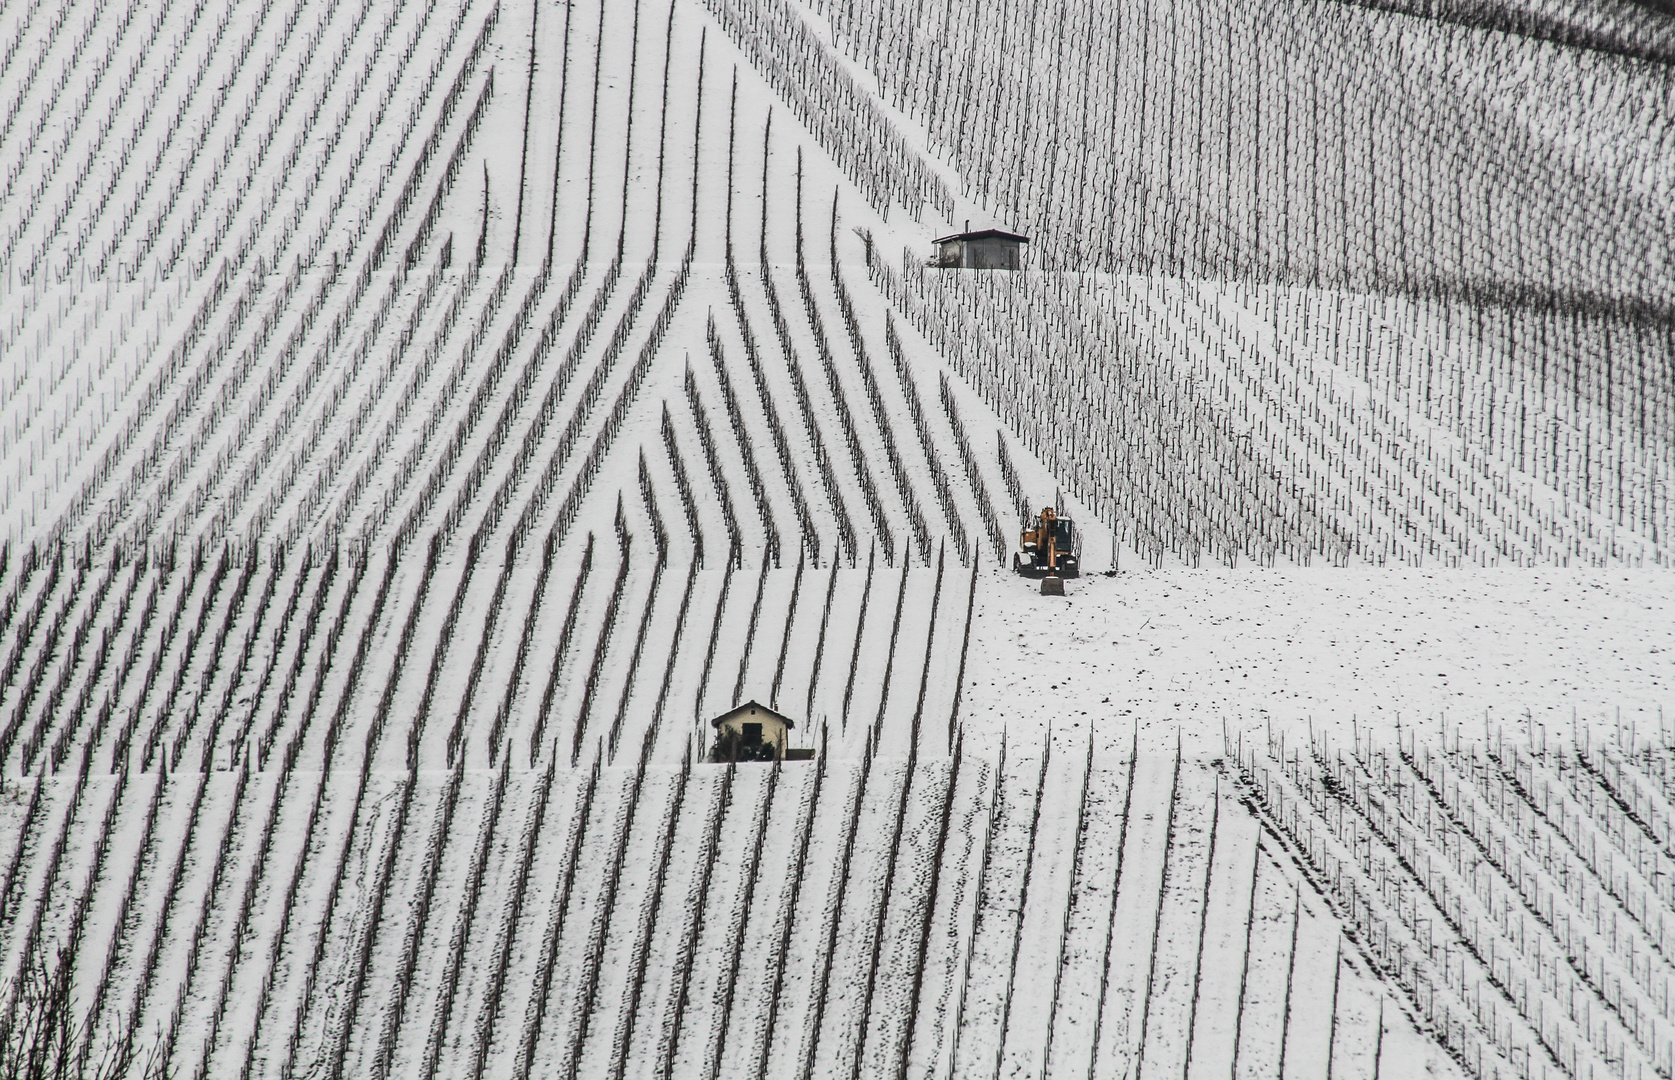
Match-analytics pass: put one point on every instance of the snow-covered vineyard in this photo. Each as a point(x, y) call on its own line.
point(419, 421)
point(1519, 895)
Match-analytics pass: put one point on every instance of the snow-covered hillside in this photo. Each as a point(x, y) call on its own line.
point(417, 421)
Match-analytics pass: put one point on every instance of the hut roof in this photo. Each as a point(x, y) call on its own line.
point(752, 707)
point(982, 234)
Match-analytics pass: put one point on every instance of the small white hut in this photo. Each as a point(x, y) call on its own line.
point(984, 249)
point(751, 732)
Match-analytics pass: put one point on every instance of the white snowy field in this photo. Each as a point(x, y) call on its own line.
point(418, 420)
point(1335, 647)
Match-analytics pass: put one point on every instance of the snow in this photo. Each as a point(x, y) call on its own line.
point(1520, 650)
point(304, 504)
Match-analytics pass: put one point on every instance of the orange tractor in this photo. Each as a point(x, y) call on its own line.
point(1051, 546)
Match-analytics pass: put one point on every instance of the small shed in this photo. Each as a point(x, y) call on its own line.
point(984, 249)
point(752, 732)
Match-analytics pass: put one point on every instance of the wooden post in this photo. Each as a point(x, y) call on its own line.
point(1203, 924)
point(1378, 1043)
point(1244, 962)
point(1332, 1033)
point(1290, 976)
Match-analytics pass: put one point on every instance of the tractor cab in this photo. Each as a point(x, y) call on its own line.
point(1050, 546)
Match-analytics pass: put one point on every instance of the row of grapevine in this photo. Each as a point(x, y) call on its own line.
point(1513, 892)
point(1354, 146)
point(1220, 422)
point(980, 877)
